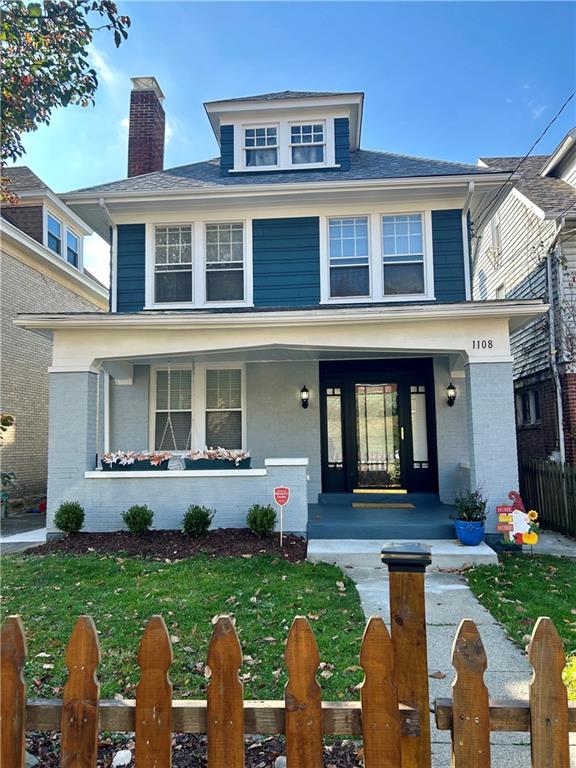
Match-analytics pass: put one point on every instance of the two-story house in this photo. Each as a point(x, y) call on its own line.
point(42, 270)
point(525, 249)
point(296, 296)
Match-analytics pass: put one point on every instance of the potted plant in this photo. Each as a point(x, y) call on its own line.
point(469, 517)
point(134, 461)
point(217, 458)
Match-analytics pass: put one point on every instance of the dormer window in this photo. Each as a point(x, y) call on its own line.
point(307, 143)
point(54, 235)
point(72, 248)
point(261, 146)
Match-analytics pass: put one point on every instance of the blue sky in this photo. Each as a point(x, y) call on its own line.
point(445, 80)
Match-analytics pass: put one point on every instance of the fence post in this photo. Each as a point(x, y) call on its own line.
point(407, 565)
point(13, 654)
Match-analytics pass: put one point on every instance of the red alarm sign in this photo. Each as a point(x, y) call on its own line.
point(281, 495)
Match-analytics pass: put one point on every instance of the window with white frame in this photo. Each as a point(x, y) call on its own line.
point(225, 262)
point(495, 231)
point(173, 264)
point(307, 143)
point(403, 254)
point(501, 291)
point(173, 410)
point(54, 234)
point(224, 408)
point(349, 257)
point(261, 146)
point(72, 248)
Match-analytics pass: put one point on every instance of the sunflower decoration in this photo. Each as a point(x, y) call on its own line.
point(531, 536)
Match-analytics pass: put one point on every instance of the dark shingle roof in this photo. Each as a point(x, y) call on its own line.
point(22, 179)
point(551, 195)
point(364, 165)
point(284, 95)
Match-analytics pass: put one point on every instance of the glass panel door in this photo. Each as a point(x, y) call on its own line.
point(378, 436)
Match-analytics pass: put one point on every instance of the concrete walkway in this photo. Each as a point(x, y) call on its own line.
point(448, 601)
point(21, 532)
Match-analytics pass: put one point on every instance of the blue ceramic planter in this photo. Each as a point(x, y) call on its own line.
point(469, 533)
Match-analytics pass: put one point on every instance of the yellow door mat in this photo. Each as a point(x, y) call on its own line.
point(382, 505)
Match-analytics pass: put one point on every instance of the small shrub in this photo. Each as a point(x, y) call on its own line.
point(197, 520)
point(138, 518)
point(261, 519)
point(69, 517)
point(470, 506)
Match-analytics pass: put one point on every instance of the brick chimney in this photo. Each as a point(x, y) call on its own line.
point(146, 129)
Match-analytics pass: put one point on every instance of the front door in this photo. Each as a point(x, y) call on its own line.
point(378, 429)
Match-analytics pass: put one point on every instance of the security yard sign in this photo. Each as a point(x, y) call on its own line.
point(281, 497)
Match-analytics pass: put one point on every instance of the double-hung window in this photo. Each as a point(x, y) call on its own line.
point(307, 143)
point(224, 408)
point(225, 262)
point(72, 248)
point(261, 146)
point(173, 417)
point(349, 257)
point(403, 254)
point(173, 264)
point(54, 237)
point(528, 407)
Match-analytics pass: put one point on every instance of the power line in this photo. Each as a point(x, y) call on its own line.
point(490, 206)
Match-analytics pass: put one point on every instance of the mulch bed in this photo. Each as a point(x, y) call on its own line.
point(175, 545)
point(189, 751)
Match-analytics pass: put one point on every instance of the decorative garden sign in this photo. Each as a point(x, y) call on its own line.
point(517, 525)
point(281, 497)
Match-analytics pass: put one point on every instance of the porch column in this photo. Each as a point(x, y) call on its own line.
point(492, 433)
point(72, 436)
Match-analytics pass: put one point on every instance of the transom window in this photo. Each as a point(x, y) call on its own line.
point(173, 424)
point(54, 234)
point(307, 143)
point(349, 257)
point(72, 248)
point(261, 146)
point(403, 254)
point(224, 408)
point(225, 262)
point(173, 264)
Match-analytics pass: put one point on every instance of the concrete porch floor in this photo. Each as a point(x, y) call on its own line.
point(334, 517)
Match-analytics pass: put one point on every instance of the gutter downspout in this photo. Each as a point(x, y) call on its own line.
point(466, 242)
point(553, 350)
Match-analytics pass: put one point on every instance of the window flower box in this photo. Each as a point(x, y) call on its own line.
point(130, 461)
point(217, 458)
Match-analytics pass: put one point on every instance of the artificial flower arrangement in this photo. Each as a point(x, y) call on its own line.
point(217, 458)
point(531, 535)
point(137, 460)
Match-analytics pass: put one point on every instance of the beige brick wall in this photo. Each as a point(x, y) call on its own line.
point(24, 361)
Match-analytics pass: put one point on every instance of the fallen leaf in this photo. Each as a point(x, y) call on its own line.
point(437, 675)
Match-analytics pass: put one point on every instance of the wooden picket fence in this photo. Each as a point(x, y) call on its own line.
point(550, 488)
point(386, 726)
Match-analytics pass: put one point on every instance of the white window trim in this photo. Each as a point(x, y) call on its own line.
point(245, 148)
point(198, 298)
point(376, 260)
point(284, 145)
point(65, 228)
point(198, 373)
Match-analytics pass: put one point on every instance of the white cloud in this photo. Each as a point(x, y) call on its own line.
point(99, 61)
point(97, 258)
point(536, 109)
point(125, 125)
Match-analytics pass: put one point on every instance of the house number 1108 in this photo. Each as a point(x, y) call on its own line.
point(482, 344)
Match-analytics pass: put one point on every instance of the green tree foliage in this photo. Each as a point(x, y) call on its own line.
point(45, 53)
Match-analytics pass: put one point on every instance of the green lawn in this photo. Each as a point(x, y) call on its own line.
point(521, 589)
point(120, 593)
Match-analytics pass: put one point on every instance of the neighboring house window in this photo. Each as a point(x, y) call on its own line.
point(307, 143)
point(528, 407)
point(54, 234)
point(173, 264)
point(495, 227)
point(72, 245)
point(261, 146)
point(349, 257)
point(403, 253)
point(501, 291)
point(225, 262)
point(224, 408)
point(173, 417)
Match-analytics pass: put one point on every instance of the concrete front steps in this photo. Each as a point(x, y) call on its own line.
point(446, 554)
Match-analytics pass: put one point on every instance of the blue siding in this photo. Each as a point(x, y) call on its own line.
point(286, 262)
point(342, 142)
point(449, 279)
point(226, 149)
point(131, 267)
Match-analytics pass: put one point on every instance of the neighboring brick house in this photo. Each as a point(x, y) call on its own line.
point(527, 249)
point(41, 270)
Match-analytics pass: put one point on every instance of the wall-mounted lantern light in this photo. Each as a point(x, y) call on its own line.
point(304, 397)
point(451, 394)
